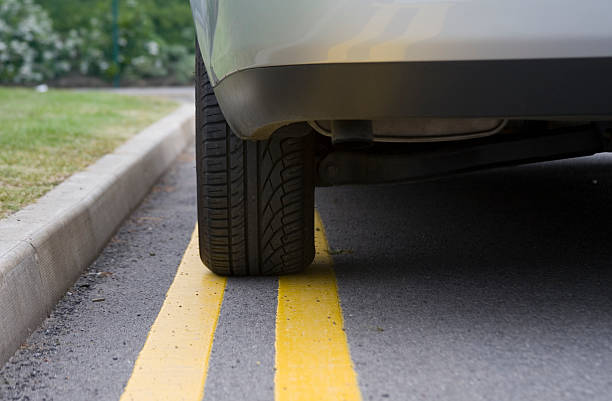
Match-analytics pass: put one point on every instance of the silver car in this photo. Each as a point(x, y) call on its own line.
point(293, 94)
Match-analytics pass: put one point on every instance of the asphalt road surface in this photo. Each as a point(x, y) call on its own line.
point(489, 286)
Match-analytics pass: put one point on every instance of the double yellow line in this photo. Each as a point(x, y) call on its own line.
point(313, 361)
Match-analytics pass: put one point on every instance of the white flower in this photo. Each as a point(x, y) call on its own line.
point(26, 69)
point(152, 48)
point(63, 66)
point(139, 61)
point(84, 67)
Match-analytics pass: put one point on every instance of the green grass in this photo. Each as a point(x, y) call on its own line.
point(46, 137)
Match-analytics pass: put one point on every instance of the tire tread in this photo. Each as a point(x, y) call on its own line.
point(284, 232)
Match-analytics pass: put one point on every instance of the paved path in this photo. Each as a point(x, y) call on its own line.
point(180, 93)
point(490, 286)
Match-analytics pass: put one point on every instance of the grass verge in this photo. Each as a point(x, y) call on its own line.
point(46, 137)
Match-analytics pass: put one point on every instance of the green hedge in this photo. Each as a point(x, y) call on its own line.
point(43, 40)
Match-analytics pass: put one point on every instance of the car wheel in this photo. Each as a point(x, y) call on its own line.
point(255, 198)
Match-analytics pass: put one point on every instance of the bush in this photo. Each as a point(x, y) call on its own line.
point(155, 39)
point(30, 50)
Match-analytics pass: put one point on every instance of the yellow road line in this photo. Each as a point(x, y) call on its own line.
point(313, 361)
point(174, 360)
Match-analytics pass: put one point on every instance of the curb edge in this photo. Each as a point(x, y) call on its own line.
point(36, 267)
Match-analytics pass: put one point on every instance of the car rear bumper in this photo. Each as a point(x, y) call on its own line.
point(243, 34)
point(257, 101)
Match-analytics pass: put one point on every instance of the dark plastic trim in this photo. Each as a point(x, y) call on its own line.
point(259, 100)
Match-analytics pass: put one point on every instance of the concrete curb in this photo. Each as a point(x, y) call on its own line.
point(45, 246)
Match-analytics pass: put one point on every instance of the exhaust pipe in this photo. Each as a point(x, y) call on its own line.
point(352, 134)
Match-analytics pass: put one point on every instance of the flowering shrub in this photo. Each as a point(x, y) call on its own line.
point(32, 51)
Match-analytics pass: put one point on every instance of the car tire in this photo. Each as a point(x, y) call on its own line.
point(255, 198)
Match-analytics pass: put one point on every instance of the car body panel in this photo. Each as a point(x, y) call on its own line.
point(242, 34)
point(257, 101)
